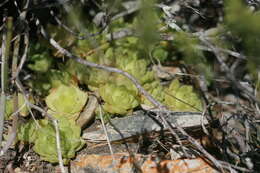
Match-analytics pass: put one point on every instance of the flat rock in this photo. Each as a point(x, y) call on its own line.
point(144, 122)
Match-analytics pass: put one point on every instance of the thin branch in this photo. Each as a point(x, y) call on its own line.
point(230, 52)
point(13, 133)
point(46, 4)
point(78, 35)
point(3, 3)
point(131, 7)
point(24, 56)
point(230, 166)
point(22, 17)
point(57, 132)
point(105, 130)
point(198, 146)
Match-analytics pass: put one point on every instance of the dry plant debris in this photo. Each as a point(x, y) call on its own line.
point(66, 65)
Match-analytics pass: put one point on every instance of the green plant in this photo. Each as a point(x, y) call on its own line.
point(66, 101)
point(40, 62)
point(118, 99)
point(44, 139)
point(43, 82)
point(156, 90)
point(182, 97)
point(23, 109)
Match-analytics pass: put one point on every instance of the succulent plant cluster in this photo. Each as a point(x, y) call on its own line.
point(59, 84)
point(64, 103)
point(182, 98)
point(42, 134)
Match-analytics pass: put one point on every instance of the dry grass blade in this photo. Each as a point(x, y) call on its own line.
point(13, 132)
point(6, 44)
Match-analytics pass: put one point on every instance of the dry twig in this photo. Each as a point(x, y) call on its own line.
point(105, 130)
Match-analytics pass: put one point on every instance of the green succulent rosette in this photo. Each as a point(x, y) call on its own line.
point(160, 54)
point(70, 141)
point(118, 99)
point(156, 90)
point(23, 109)
point(66, 101)
point(28, 132)
point(91, 77)
point(121, 80)
point(57, 77)
point(137, 68)
point(43, 82)
point(40, 62)
point(182, 98)
point(77, 70)
point(97, 78)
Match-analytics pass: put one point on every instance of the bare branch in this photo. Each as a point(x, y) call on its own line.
point(24, 56)
point(3, 3)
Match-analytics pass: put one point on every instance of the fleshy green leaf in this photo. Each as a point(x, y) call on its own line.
point(58, 77)
point(43, 82)
point(156, 90)
point(66, 101)
point(28, 132)
point(23, 110)
point(45, 143)
point(118, 99)
point(40, 62)
point(182, 98)
point(121, 80)
point(160, 54)
point(137, 68)
point(97, 78)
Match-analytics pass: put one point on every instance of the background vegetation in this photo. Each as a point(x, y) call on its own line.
point(214, 46)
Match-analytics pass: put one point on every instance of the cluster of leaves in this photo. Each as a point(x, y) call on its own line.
point(118, 92)
point(182, 98)
point(58, 82)
point(42, 134)
point(21, 105)
point(131, 54)
point(64, 100)
point(64, 103)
